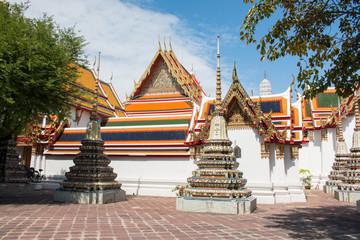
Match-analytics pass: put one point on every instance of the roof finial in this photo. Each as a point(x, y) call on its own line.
point(159, 43)
point(111, 78)
point(264, 74)
point(218, 79)
point(164, 45)
point(170, 44)
point(94, 63)
point(235, 77)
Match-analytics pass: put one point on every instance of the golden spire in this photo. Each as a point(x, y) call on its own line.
point(164, 45)
point(218, 80)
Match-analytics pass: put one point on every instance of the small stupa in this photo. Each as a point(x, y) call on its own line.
point(216, 186)
point(91, 180)
point(341, 158)
point(349, 189)
point(265, 87)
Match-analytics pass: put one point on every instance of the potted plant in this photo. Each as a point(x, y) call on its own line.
point(36, 178)
point(306, 178)
point(180, 189)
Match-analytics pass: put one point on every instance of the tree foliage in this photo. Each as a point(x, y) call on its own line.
point(324, 34)
point(37, 68)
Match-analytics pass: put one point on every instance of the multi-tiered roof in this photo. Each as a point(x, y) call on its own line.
point(155, 118)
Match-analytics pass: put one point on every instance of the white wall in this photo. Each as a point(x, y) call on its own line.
point(139, 175)
point(255, 169)
point(348, 129)
point(83, 120)
point(291, 167)
point(328, 150)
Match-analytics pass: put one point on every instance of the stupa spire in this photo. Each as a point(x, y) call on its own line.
point(93, 127)
point(94, 114)
point(357, 116)
point(218, 80)
point(341, 132)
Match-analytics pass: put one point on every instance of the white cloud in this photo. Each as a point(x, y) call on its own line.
point(127, 36)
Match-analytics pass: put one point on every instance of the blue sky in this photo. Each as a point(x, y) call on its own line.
point(126, 32)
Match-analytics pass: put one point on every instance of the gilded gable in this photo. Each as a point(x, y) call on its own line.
point(161, 82)
point(236, 118)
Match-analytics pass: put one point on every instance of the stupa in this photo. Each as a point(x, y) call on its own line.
point(349, 189)
point(91, 180)
point(11, 171)
point(265, 87)
point(216, 186)
point(341, 158)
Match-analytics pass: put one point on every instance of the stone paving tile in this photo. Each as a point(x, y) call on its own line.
point(36, 216)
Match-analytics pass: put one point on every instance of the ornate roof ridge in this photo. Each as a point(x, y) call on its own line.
point(191, 87)
point(264, 124)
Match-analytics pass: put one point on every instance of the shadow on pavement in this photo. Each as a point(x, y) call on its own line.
point(44, 196)
point(34, 197)
point(333, 222)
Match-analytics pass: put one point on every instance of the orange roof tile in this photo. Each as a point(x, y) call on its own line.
point(157, 106)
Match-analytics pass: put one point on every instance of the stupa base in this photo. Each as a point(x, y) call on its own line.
point(347, 196)
point(15, 188)
point(89, 197)
point(329, 189)
point(222, 206)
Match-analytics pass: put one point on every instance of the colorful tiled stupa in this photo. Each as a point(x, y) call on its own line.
point(216, 186)
point(341, 157)
point(349, 189)
point(91, 180)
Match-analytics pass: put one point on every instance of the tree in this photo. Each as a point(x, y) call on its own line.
point(37, 68)
point(324, 34)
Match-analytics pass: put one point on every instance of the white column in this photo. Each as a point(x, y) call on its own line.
point(292, 175)
point(279, 177)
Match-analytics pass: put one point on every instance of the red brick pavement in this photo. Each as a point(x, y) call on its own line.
point(36, 216)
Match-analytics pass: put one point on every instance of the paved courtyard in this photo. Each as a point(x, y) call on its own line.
point(35, 216)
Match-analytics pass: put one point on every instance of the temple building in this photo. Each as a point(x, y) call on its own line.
point(155, 138)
